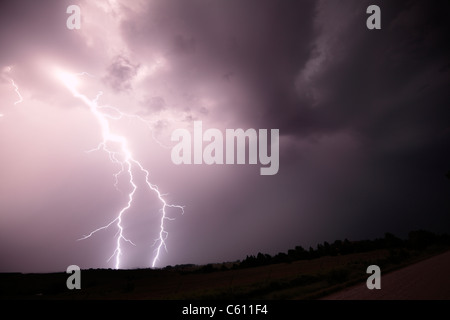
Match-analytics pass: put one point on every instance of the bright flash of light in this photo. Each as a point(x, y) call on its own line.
point(127, 163)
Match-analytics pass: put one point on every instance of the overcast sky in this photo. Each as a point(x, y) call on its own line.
point(363, 116)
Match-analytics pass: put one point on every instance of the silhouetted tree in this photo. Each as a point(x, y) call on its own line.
point(417, 240)
point(391, 241)
point(420, 239)
point(207, 268)
point(263, 259)
point(312, 253)
point(280, 257)
point(301, 253)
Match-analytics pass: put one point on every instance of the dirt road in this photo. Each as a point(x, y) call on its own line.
point(425, 280)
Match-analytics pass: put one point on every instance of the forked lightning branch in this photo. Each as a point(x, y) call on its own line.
point(129, 166)
point(215, 151)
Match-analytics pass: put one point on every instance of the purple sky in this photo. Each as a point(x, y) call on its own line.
point(363, 118)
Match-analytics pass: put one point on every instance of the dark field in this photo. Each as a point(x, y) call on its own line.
point(425, 280)
point(303, 279)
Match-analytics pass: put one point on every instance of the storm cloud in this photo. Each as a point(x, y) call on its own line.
point(362, 115)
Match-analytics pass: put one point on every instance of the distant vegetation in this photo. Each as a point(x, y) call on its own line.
point(295, 274)
point(417, 240)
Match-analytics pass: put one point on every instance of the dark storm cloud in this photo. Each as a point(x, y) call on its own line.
point(313, 70)
point(364, 82)
point(153, 104)
point(264, 46)
point(256, 46)
point(385, 87)
point(120, 73)
point(384, 80)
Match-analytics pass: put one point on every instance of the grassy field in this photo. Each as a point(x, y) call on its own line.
point(304, 279)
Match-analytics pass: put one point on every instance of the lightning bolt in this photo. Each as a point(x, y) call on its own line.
point(8, 69)
point(16, 88)
point(128, 164)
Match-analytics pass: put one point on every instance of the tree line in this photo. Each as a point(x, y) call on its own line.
point(417, 240)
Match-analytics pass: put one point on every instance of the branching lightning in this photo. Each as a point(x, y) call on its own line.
point(127, 163)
